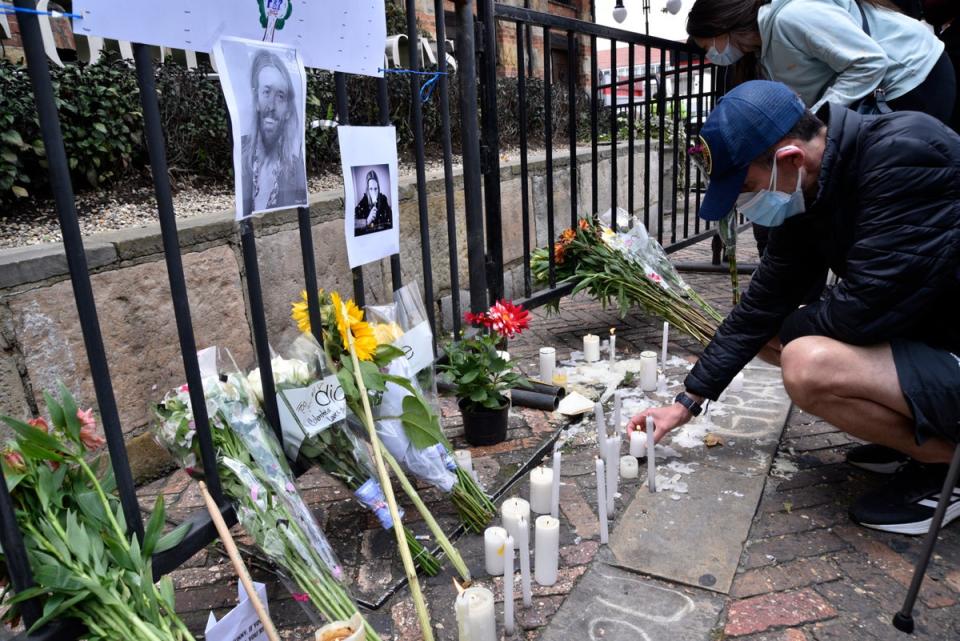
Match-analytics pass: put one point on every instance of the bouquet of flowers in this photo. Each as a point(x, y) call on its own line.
point(405, 422)
point(627, 267)
point(255, 477)
point(85, 564)
point(313, 420)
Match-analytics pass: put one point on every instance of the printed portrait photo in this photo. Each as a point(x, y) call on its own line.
point(372, 212)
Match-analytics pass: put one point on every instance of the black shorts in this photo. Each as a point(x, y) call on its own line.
point(930, 380)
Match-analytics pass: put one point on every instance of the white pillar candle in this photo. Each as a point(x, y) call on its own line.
point(613, 345)
point(591, 348)
point(661, 384)
point(651, 457)
point(476, 618)
point(736, 385)
point(629, 469)
point(638, 443)
point(555, 486)
point(602, 501)
point(524, 545)
point(617, 405)
point(541, 489)
point(613, 470)
point(508, 586)
point(546, 555)
point(494, 539)
point(648, 371)
point(663, 349)
point(512, 512)
point(548, 362)
point(464, 460)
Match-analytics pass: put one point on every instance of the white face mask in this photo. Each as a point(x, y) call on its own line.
point(769, 207)
point(726, 57)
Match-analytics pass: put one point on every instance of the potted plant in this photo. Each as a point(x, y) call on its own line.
point(482, 375)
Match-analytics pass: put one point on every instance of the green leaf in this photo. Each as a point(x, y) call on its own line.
point(154, 527)
point(172, 538)
point(30, 434)
point(53, 613)
point(40, 453)
point(12, 137)
point(99, 126)
point(19, 191)
point(420, 424)
point(69, 412)
point(55, 411)
point(165, 585)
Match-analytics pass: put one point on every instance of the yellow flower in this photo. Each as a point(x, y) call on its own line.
point(386, 333)
point(364, 340)
point(299, 312)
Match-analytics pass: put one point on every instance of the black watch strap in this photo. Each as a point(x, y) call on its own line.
point(694, 407)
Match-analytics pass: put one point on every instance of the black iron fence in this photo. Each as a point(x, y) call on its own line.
point(483, 215)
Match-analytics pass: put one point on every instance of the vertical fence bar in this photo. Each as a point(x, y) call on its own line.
point(572, 76)
point(631, 121)
point(661, 119)
point(614, 103)
point(15, 556)
point(310, 272)
point(383, 106)
point(675, 107)
point(524, 193)
point(416, 121)
point(470, 135)
point(441, 28)
point(59, 171)
point(153, 131)
point(647, 106)
point(343, 118)
point(548, 143)
point(696, 218)
point(594, 129)
point(687, 125)
point(490, 148)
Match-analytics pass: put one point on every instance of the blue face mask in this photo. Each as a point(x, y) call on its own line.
point(769, 207)
point(726, 57)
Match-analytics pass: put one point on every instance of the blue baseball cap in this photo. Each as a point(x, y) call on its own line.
point(745, 123)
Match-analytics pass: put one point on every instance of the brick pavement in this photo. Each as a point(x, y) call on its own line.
point(806, 574)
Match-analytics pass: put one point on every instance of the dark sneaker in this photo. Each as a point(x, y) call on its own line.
point(905, 504)
point(876, 458)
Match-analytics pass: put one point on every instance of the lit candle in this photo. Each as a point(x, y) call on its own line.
point(494, 539)
point(663, 349)
point(602, 501)
point(476, 618)
point(651, 460)
point(555, 488)
point(548, 361)
point(638, 443)
point(591, 348)
point(648, 371)
point(613, 470)
point(464, 460)
point(629, 469)
point(613, 344)
point(524, 546)
point(508, 586)
point(617, 403)
point(736, 385)
point(514, 511)
point(546, 555)
point(541, 489)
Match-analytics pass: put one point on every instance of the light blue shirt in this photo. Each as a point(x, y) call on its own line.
point(819, 49)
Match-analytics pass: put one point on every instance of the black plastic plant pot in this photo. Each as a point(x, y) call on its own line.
point(484, 427)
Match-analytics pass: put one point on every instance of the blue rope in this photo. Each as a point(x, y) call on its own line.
point(426, 89)
point(8, 9)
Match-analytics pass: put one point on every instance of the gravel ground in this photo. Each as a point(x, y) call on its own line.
point(131, 204)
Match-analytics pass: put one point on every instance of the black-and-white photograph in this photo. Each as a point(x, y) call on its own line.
point(265, 88)
point(372, 212)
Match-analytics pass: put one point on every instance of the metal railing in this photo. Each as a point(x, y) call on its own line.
point(668, 116)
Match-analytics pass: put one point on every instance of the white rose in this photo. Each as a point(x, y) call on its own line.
point(255, 384)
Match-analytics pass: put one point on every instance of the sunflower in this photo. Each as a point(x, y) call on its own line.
point(299, 312)
point(364, 340)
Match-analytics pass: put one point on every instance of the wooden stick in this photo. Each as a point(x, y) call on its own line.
point(238, 565)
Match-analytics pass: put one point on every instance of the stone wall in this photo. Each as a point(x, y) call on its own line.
point(40, 339)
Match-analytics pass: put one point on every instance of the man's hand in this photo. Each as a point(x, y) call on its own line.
point(373, 215)
point(664, 419)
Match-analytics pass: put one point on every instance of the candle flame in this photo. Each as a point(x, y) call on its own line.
point(613, 330)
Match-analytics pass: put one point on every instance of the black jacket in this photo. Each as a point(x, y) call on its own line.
point(886, 219)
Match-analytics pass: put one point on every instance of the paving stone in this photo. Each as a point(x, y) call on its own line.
point(787, 576)
point(776, 610)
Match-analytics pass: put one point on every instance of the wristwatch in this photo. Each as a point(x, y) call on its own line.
point(694, 407)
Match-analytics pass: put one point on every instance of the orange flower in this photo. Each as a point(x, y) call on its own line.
point(14, 460)
point(39, 423)
point(559, 252)
point(584, 224)
point(568, 235)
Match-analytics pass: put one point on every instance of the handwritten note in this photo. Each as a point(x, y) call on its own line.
point(240, 623)
point(307, 411)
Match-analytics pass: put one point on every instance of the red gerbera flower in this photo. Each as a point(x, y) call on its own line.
point(508, 319)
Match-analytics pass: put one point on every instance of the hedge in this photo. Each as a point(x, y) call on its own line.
point(102, 127)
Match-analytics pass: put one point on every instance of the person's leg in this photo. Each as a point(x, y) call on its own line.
point(857, 390)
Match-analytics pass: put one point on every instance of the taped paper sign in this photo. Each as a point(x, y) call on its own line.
point(417, 344)
point(307, 411)
point(330, 34)
point(240, 623)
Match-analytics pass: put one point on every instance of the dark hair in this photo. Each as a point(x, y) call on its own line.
point(371, 175)
point(711, 18)
point(806, 129)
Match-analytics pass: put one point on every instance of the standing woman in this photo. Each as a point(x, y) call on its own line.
point(858, 53)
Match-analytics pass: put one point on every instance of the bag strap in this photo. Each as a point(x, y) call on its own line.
point(879, 94)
